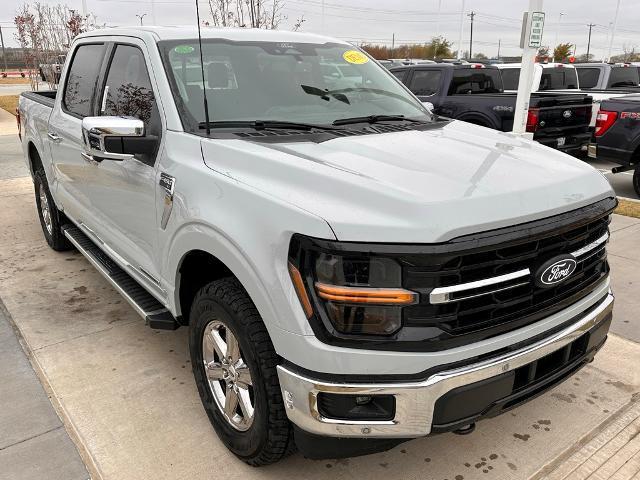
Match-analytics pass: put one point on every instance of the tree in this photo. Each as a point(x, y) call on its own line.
point(45, 32)
point(438, 47)
point(562, 52)
point(584, 58)
point(480, 56)
point(249, 13)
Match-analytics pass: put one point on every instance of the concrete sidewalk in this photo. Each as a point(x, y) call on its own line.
point(33, 442)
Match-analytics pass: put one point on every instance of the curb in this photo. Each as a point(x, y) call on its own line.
point(70, 428)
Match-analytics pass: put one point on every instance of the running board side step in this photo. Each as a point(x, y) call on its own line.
point(156, 315)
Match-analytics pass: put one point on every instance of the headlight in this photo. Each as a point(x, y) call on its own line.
point(348, 293)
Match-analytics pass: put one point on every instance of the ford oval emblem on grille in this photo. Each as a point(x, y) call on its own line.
point(566, 113)
point(555, 270)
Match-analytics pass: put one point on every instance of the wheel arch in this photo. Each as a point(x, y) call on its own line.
point(478, 119)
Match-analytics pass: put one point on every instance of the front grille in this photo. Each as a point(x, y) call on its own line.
point(461, 320)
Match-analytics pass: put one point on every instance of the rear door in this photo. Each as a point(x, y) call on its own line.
point(65, 129)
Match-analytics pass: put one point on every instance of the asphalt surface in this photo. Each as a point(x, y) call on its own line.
point(621, 182)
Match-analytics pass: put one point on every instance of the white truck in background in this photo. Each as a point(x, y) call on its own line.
point(353, 270)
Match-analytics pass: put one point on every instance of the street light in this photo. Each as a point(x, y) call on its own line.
point(553, 59)
point(141, 17)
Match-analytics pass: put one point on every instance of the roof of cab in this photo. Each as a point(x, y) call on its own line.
point(191, 32)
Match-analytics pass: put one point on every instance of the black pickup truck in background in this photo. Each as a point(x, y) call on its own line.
point(617, 135)
point(474, 93)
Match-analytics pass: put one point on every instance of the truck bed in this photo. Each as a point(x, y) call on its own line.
point(46, 97)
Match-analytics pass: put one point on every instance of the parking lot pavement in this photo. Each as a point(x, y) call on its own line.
point(128, 391)
point(621, 182)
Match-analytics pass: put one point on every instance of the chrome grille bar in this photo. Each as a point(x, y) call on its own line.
point(441, 295)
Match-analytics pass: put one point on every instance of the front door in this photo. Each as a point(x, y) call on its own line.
point(123, 192)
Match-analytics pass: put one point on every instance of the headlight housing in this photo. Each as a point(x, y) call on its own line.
point(348, 294)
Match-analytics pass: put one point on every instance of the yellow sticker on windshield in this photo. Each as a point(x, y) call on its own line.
point(354, 56)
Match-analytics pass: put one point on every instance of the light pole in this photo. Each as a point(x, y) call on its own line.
point(591, 25)
point(461, 29)
point(141, 17)
point(553, 59)
point(471, 15)
point(613, 31)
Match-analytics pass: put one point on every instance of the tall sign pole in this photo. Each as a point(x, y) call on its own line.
point(530, 41)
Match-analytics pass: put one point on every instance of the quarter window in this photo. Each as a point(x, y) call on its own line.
point(82, 79)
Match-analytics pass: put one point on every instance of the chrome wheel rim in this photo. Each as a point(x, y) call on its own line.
point(45, 209)
point(228, 375)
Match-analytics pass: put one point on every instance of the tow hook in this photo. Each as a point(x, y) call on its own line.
point(465, 430)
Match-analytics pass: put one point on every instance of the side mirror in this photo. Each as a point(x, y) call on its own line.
point(112, 138)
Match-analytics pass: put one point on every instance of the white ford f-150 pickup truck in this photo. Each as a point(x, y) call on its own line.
point(354, 271)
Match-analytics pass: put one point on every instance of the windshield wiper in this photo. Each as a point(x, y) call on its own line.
point(376, 119)
point(266, 124)
point(325, 94)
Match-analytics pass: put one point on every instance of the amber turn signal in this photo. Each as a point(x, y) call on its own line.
point(370, 296)
point(298, 284)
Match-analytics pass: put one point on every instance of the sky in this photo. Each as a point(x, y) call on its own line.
point(412, 21)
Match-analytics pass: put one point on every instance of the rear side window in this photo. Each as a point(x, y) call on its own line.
point(510, 78)
point(472, 81)
point(82, 79)
point(558, 78)
point(588, 77)
point(623, 77)
point(425, 82)
point(399, 74)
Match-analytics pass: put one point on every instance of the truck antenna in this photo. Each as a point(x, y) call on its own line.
point(204, 89)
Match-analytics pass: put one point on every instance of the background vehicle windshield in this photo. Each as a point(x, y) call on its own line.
point(293, 82)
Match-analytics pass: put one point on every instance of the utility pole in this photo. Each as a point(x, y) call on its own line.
point(438, 23)
point(393, 43)
point(499, 43)
point(461, 29)
point(4, 55)
point(613, 31)
point(591, 25)
point(471, 15)
point(141, 17)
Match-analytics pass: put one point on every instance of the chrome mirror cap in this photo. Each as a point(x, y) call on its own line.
point(96, 129)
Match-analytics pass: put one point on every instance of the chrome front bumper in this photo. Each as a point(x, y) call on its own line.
point(415, 401)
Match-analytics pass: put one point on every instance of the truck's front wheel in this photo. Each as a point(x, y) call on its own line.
point(636, 180)
point(234, 364)
point(49, 214)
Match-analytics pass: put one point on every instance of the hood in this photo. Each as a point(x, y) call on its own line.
point(414, 186)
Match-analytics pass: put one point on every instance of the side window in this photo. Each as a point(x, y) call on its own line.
point(82, 79)
point(588, 77)
point(128, 88)
point(510, 78)
point(425, 82)
point(128, 92)
point(399, 74)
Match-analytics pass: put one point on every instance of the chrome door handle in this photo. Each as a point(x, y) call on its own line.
point(54, 137)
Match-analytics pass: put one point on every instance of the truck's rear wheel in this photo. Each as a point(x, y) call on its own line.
point(234, 365)
point(636, 180)
point(50, 216)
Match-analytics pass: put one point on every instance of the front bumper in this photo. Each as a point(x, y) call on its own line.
point(416, 403)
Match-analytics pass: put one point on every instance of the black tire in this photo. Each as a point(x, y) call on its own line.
point(53, 233)
point(636, 180)
point(270, 436)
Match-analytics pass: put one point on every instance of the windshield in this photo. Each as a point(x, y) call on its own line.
point(292, 82)
point(623, 77)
